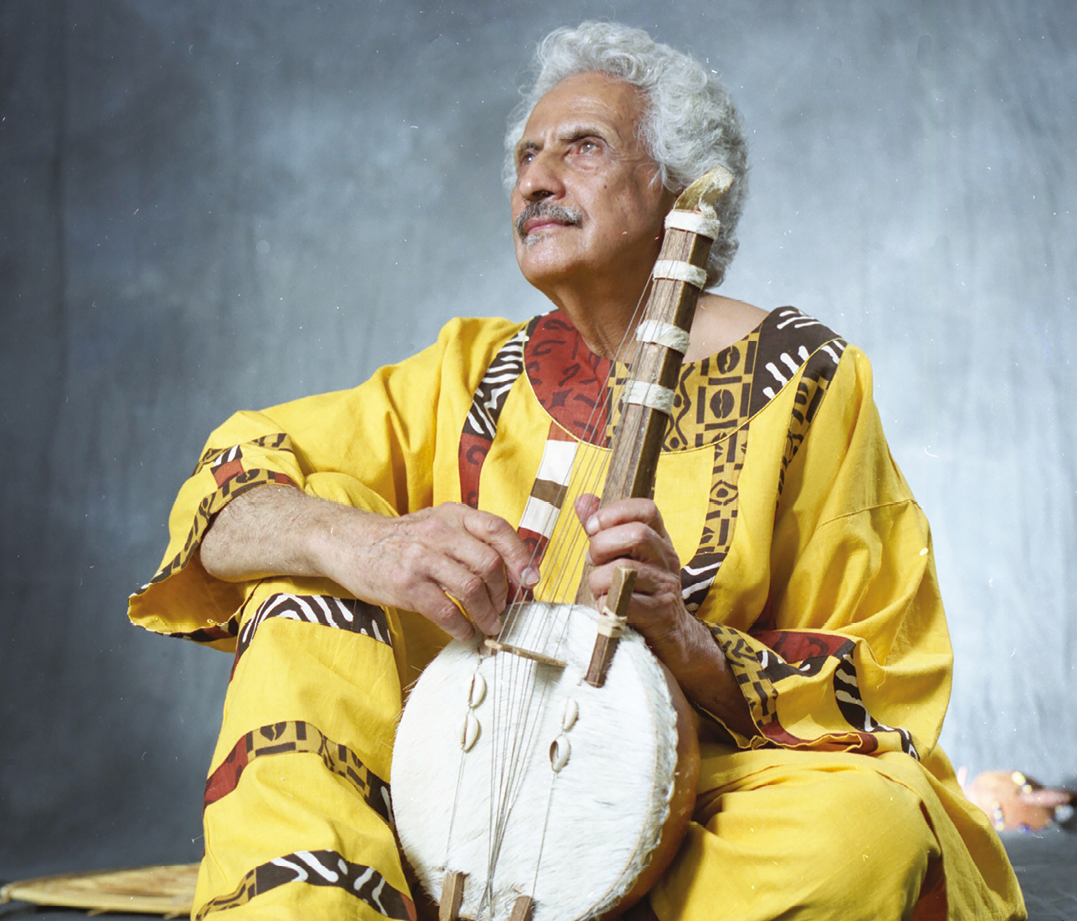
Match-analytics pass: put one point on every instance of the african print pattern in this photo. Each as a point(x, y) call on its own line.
point(788, 654)
point(317, 868)
point(847, 692)
point(296, 737)
point(698, 574)
point(810, 651)
point(569, 379)
point(712, 406)
point(348, 614)
point(811, 388)
point(481, 422)
point(278, 441)
point(754, 684)
point(791, 338)
point(214, 634)
point(714, 398)
point(714, 403)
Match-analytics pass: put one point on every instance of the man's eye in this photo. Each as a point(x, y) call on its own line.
point(587, 147)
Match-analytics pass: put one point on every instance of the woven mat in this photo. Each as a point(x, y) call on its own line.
point(167, 891)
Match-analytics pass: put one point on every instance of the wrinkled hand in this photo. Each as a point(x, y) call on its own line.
point(417, 561)
point(631, 533)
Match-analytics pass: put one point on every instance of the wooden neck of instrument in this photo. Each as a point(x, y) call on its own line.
point(641, 429)
point(637, 441)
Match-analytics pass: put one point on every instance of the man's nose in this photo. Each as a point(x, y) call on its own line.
point(541, 178)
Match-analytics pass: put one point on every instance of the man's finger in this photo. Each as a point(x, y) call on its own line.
point(633, 540)
point(441, 609)
point(499, 534)
point(586, 505)
point(649, 578)
point(624, 511)
point(470, 593)
point(487, 569)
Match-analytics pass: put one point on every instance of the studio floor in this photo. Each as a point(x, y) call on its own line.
point(1046, 864)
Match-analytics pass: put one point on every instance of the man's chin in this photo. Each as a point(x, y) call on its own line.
point(557, 250)
point(543, 269)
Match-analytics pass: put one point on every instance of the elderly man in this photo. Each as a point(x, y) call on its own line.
point(784, 571)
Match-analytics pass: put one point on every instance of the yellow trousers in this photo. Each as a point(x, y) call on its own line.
point(297, 824)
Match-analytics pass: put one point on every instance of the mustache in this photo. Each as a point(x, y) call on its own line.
point(549, 210)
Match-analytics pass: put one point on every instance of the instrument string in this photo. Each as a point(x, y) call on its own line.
point(505, 780)
point(455, 802)
point(542, 838)
point(585, 477)
point(588, 476)
point(519, 689)
point(517, 714)
point(517, 742)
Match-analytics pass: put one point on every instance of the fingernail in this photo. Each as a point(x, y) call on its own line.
point(592, 525)
point(531, 577)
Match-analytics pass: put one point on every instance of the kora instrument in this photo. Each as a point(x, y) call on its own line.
point(550, 773)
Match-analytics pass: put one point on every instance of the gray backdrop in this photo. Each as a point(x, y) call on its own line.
point(211, 205)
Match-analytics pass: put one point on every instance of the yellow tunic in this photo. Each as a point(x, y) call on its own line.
point(803, 550)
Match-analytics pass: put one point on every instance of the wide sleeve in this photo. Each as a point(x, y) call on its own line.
point(372, 446)
point(851, 650)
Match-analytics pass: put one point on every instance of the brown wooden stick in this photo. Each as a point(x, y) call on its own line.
point(640, 429)
point(452, 895)
point(497, 646)
point(617, 601)
point(521, 908)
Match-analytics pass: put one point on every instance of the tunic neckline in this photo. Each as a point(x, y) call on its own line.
point(579, 389)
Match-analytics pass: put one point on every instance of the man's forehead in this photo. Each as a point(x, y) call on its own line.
point(585, 102)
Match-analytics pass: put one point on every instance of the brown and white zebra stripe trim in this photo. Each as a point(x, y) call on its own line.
point(317, 868)
point(348, 614)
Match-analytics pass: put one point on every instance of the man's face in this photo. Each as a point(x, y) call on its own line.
point(587, 204)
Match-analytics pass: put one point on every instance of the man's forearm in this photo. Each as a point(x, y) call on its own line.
point(437, 561)
point(269, 531)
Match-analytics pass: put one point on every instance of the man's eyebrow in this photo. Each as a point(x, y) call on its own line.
point(569, 135)
point(576, 132)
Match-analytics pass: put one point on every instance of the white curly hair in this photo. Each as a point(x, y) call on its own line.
point(690, 126)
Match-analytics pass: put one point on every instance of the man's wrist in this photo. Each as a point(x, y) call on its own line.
point(709, 683)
